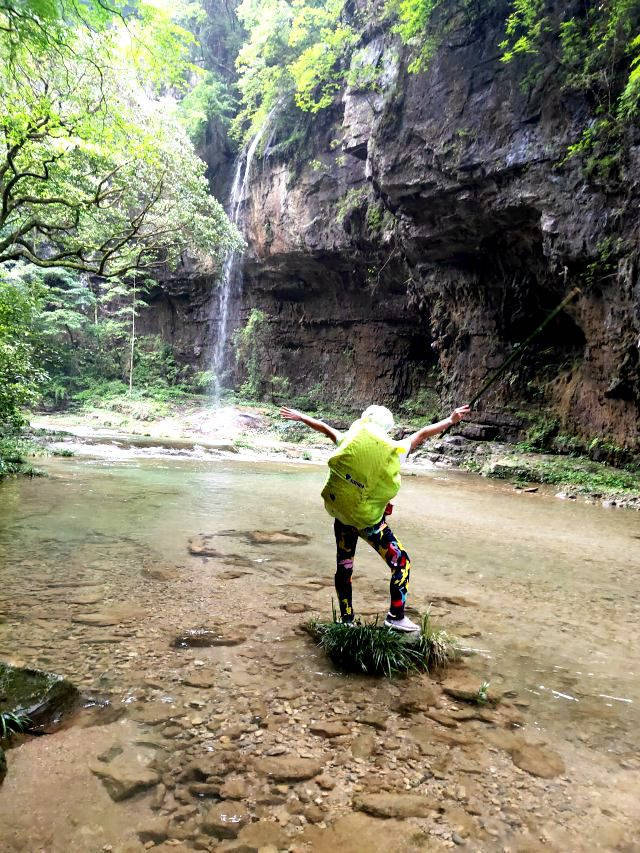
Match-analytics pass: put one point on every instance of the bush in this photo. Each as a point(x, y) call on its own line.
point(13, 450)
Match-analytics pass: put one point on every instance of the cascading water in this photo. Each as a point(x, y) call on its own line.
point(228, 283)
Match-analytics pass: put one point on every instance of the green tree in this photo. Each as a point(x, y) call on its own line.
point(20, 374)
point(96, 172)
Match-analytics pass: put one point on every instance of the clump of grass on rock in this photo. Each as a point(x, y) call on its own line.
point(371, 649)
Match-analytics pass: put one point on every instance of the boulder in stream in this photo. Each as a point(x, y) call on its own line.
point(43, 697)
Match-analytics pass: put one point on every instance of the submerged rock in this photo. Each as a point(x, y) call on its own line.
point(43, 697)
point(127, 774)
point(202, 546)
point(538, 760)
point(205, 637)
point(225, 819)
point(160, 573)
point(288, 768)
point(262, 834)
point(356, 832)
point(394, 805)
point(329, 729)
point(109, 616)
point(467, 687)
point(277, 537)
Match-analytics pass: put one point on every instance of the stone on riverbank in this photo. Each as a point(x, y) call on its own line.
point(42, 696)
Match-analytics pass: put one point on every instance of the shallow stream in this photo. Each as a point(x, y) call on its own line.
point(545, 592)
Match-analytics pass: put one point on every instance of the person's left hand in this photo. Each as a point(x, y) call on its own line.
point(458, 414)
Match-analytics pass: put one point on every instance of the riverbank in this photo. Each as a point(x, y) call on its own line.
point(256, 431)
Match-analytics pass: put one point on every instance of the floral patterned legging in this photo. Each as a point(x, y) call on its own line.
point(390, 549)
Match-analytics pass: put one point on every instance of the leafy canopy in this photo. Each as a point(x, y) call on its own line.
point(296, 52)
point(97, 173)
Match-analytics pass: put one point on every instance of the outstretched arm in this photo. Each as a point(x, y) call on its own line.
point(433, 429)
point(319, 426)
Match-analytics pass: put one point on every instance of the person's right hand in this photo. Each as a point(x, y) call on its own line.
point(458, 414)
point(290, 414)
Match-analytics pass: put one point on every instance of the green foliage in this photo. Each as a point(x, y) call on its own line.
point(422, 408)
point(250, 345)
point(209, 100)
point(593, 47)
point(11, 724)
point(375, 217)
point(482, 696)
point(373, 650)
point(415, 27)
point(20, 373)
point(579, 474)
point(525, 27)
point(13, 450)
point(154, 363)
point(596, 50)
point(540, 434)
point(296, 53)
point(353, 198)
point(97, 172)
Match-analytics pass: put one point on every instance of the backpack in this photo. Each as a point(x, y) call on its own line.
point(364, 475)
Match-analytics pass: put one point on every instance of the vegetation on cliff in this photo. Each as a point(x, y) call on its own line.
point(299, 55)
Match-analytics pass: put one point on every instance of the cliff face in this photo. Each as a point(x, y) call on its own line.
point(431, 226)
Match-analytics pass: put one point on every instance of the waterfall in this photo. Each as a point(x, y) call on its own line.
point(228, 282)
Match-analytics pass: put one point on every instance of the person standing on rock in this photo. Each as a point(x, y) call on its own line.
point(364, 476)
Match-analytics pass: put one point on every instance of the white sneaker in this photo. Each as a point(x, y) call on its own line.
point(404, 624)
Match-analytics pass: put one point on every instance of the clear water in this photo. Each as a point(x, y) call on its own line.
point(551, 587)
point(546, 591)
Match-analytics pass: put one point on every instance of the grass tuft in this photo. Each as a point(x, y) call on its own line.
point(11, 724)
point(372, 649)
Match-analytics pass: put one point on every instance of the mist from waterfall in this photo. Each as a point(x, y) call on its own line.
point(228, 282)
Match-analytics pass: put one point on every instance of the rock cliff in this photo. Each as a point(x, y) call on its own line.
point(422, 230)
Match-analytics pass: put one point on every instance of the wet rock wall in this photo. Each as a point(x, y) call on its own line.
point(425, 229)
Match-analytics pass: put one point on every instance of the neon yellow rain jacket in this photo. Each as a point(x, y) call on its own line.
point(364, 475)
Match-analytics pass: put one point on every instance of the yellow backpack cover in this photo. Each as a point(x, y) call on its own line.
point(364, 475)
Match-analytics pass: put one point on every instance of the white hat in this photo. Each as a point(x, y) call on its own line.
point(380, 416)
